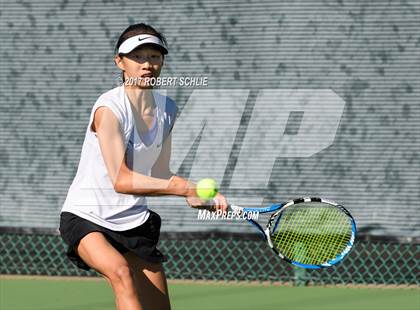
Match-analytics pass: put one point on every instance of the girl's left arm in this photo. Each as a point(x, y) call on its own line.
point(161, 168)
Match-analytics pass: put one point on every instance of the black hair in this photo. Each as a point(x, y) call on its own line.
point(134, 30)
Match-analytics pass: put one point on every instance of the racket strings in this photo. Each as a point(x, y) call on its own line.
point(332, 238)
point(329, 241)
point(312, 234)
point(325, 240)
point(296, 241)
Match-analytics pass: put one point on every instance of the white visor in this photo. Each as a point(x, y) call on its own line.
point(131, 43)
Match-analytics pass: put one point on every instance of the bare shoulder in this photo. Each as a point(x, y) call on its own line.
point(104, 117)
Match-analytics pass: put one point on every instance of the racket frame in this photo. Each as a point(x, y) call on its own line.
point(279, 208)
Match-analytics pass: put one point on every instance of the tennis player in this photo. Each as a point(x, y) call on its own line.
point(125, 157)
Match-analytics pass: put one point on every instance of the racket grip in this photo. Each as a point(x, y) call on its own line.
point(236, 209)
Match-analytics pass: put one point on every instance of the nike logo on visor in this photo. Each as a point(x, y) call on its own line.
point(140, 39)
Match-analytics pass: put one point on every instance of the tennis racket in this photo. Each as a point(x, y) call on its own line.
point(309, 232)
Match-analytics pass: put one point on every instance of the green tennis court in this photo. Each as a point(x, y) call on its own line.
point(61, 294)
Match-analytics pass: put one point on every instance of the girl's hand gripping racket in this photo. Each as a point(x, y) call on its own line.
point(307, 232)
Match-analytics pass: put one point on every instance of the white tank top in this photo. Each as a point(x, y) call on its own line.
point(91, 194)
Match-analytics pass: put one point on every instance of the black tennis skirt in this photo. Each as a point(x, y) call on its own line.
point(141, 240)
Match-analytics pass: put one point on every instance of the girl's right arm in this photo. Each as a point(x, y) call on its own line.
point(124, 180)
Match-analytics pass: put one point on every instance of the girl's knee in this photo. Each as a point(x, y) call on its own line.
point(120, 273)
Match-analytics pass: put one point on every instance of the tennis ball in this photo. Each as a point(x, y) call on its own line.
point(207, 189)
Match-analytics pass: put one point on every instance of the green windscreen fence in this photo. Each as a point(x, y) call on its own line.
point(227, 258)
point(304, 99)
